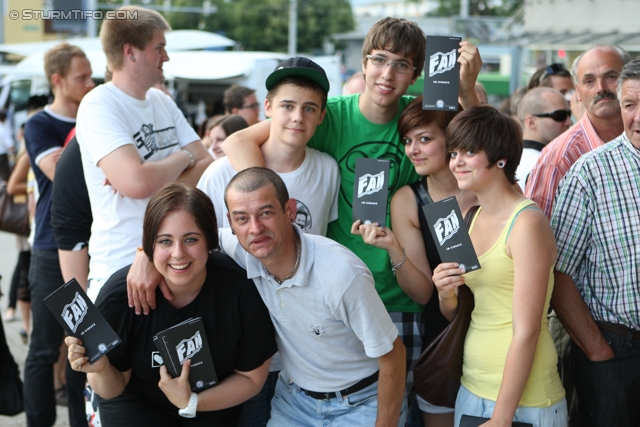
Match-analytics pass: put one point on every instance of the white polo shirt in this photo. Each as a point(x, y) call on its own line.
point(331, 325)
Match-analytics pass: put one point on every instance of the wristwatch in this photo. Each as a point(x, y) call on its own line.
point(190, 410)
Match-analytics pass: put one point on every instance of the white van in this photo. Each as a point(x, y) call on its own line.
point(195, 77)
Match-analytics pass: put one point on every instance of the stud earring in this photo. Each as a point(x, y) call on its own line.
point(133, 58)
point(501, 163)
point(233, 232)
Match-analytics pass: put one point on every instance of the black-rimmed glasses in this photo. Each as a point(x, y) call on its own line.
point(381, 61)
point(556, 116)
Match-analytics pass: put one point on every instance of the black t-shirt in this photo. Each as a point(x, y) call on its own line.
point(71, 216)
point(238, 329)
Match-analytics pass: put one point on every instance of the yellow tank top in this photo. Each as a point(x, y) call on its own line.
point(490, 332)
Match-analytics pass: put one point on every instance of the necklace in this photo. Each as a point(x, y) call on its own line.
point(295, 267)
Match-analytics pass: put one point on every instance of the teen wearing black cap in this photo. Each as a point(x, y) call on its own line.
point(296, 105)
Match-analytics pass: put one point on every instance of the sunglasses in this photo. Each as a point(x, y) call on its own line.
point(552, 70)
point(556, 116)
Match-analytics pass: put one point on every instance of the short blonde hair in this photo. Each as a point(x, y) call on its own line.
point(115, 33)
point(57, 60)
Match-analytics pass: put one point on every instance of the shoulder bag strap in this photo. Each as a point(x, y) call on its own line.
point(470, 214)
point(422, 196)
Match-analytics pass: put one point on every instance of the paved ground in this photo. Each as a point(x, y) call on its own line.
point(8, 256)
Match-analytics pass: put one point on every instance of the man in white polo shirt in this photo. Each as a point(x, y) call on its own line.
point(342, 357)
point(339, 349)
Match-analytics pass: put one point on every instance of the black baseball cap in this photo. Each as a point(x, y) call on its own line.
point(299, 66)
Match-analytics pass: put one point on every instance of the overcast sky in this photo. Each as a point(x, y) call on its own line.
point(361, 2)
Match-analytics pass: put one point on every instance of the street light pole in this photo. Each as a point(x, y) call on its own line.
point(293, 27)
point(92, 27)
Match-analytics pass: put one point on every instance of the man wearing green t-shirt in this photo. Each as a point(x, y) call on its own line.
point(365, 125)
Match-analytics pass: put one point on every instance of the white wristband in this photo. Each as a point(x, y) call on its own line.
point(191, 159)
point(190, 410)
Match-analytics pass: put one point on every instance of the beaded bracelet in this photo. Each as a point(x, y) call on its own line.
point(394, 267)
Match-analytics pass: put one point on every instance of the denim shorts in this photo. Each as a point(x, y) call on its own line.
point(468, 403)
point(291, 407)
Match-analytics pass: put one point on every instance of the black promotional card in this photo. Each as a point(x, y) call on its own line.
point(187, 340)
point(450, 233)
point(470, 421)
point(370, 191)
point(441, 74)
point(81, 319)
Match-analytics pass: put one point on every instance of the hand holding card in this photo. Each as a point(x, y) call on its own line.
point(450, 234)
point(81, 319)
point(442, 74)
point(371, 191)
point(188, 341)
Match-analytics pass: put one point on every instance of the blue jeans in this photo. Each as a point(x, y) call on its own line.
point(256, 411)
point(468, 403)
point(291, 407)
point(609, 391)
point(44, 348)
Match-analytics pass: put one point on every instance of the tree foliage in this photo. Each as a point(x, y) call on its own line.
point(264, 24)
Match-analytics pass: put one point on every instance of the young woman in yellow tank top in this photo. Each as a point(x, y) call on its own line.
point(509, 368)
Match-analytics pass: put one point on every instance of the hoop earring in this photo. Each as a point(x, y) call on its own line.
point(501, 163)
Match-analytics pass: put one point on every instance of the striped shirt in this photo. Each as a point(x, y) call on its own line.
point(596, 221)
point(556, 159)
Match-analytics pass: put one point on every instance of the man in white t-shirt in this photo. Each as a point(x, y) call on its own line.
point(296, 105)
point(133, 138)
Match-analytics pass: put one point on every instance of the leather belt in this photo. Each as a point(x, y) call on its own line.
point(364, 383)
point(619, 329)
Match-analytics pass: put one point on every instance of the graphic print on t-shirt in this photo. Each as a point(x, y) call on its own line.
point(150, 141)
point(367, 150)
point(156, 359)
point(303, 216)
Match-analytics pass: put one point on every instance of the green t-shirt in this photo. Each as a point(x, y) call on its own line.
point(347, 135)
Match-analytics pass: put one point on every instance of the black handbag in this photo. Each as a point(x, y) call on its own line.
point(438, 370)
point(11, 400)
point(14, 216)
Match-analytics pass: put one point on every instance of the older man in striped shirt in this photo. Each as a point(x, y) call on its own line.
point(594, 72)
point(596, 220)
